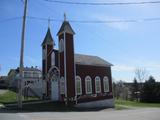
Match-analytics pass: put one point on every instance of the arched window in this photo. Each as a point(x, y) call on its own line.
point(43, 54)
point(88, 85)
point(62, 85)
point(78, 86)
point(53, 59)
point(97, 84)
point(106, 84)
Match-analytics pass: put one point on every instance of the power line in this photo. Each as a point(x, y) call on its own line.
point(103, 3)
point(10, 19)
point(98, 21)
point(86, 21)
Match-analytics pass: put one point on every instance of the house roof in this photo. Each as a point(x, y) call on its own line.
point(66, 27)
point(29, 69)
point(90, 60)
point(48, 38)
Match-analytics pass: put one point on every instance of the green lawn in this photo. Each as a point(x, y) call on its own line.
point(120, 103)
point(11, 97)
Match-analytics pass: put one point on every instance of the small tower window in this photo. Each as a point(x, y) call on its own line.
point(78, 85)
point(53, 59)
point(106, 84)
point(98, 84)
point(43, 54)
point(88, 85)
point(61, 45)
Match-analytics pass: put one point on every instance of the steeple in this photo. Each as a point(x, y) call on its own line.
point(65, 27)
point(48, 38)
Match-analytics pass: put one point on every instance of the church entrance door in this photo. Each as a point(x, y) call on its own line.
point(55, 90)
point(54, 78)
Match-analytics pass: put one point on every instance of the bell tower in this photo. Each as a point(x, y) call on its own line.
point(66, 59)
point(47, 47)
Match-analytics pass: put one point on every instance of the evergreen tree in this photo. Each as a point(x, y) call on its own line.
point(150, 91)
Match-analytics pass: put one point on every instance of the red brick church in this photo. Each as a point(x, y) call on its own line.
point(76, 79)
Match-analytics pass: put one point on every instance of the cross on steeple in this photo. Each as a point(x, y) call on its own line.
point(49, 22)
point(65, 18)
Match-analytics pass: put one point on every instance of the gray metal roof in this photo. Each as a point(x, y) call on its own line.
point(66, 27)
point(48, 38)
point(90, 60)
point(29, 69)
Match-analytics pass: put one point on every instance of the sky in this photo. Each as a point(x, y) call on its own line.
point(127, 46)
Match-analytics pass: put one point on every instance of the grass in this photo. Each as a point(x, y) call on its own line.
point(7, 97)
point(11, 97)
point(120, 103)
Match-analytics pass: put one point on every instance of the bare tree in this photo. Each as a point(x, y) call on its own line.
point(141, 75)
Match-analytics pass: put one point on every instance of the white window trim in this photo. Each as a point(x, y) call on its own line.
point(79, 80)
point(105, 79)
point(86, 84)
point(62, 87)
point(97, 78)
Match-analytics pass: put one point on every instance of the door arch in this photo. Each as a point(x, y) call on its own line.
point(53, 77)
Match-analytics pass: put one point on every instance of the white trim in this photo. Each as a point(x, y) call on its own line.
point(74, 71)
point(106, 81)
point(88, 78)
point(108, 103)
point(59, 65)
point(97, 79)
point(62, 88)
point(78, 79)
point(65, 71)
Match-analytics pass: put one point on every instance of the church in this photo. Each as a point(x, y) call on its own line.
point(74, 79)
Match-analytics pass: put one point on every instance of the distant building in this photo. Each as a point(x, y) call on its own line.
point(81, 80)
point(3, 82)
point(12, 74)
point(32, 81)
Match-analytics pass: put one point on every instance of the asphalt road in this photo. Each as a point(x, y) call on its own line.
point(134, 114)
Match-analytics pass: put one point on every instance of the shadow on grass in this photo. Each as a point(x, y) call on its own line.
point(45, 107)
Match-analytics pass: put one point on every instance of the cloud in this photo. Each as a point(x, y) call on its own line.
point(126, 72)
point(123, 68)
point(122, 26)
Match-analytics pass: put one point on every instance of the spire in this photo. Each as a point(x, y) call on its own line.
point(48, 38)
point(66, 27)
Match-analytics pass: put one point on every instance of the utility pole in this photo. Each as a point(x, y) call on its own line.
point(20, 80)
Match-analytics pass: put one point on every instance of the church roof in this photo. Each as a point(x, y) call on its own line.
point(66, 27)
point(90, 60)
point(48, 38)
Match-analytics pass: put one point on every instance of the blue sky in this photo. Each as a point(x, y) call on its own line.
point(126, 45)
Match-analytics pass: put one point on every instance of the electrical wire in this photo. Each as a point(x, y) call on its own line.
point(98, 21)
point(103, 3)
point(10, 19)
point(86, 21)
